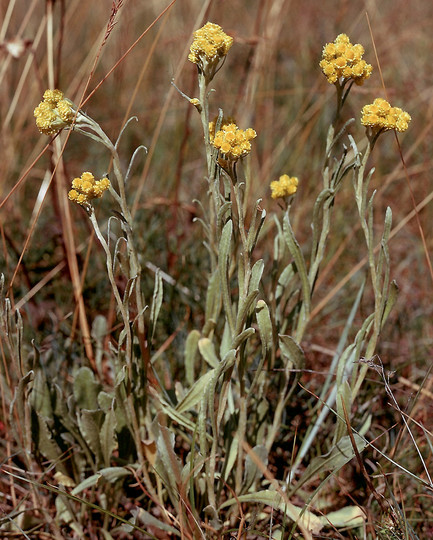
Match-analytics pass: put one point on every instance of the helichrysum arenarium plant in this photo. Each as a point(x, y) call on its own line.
point(200, 456)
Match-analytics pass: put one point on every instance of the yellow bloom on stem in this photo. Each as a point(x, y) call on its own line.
point(342, 60)
point(86, 188)
point(380, 116)
point(54, 113)
point(226, 121)
point(232, 142)
point(284, 187)
point(210, 45)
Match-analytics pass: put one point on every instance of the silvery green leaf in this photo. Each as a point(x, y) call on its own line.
point(292, 351)
point(86, 389)
point(245, 307)
point(347, 517)
point(296, 253)
point(265, 325)
point(213, 297)
point(223, 267)
point(343, 402)
point(256, 275)
point(156, 301)
point(232, 456)
point(207, 350)
point(390, 301)
point(224, 247)
point(243, 336)
point(105, 401)
point(252, 472)
point(43, 441)
point(20, 402)
point(90, 423)
point(40, 398)
point(223, 212)
point(107, 436)
point(319, 205)
point(191, 349)
point(331, 462)
point(99, 329)
point(148, 519)
point(167, 464)
point(195, 393)
point(109, 474)
point(285, 279)
point(226, 341)
point(306, 519)
point(254, 231)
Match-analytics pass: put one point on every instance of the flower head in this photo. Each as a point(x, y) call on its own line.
point(342, 60)
point(232, 142)
point(380, 116)
point(226, 120)
point(86, 188)
point(210, 45)
point(54, 113)
point(284, 187)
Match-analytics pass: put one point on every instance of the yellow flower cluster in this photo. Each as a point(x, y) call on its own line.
point(210, 43)
point(232, 142)
point(224, 123)
point(284, 187)
point(53, 113)
point(380, 116)
point(86, 188)
point(342, 60)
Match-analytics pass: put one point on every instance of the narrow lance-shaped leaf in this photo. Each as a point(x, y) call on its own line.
point(391, 300)
point(265, 325)
point(292, 351)
point(156, 301)
point(256, 275)
point(207, 350)
point(191, 348)
point(213, 297)
point(223, 265)
point(338, 456)
point(195, 393)
point(86, 389)
point(107, 437)
point(296, 253)
point(306, 519)
point(321, 200)
point(252, 472)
